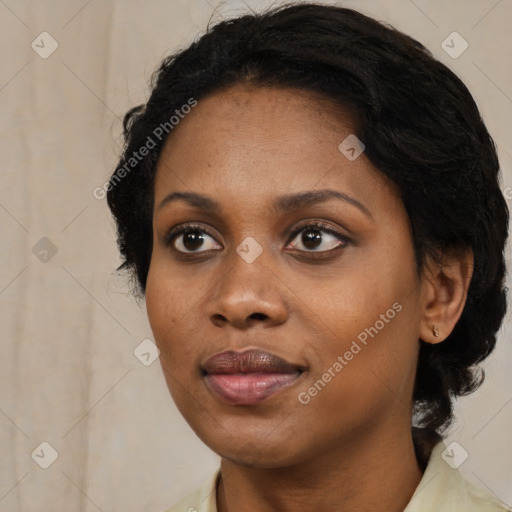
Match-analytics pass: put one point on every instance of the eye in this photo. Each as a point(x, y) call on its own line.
point(191, 239)
point(194, 238)
point(309, 238)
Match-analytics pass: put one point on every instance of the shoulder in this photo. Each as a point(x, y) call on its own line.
point(443, 488)
point(202, 499)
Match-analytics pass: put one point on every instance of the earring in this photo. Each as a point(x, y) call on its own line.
point(435, 331)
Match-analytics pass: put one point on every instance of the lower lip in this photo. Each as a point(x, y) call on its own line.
point(250, 388)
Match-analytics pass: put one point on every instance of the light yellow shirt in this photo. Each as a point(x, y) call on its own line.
point(441, 489)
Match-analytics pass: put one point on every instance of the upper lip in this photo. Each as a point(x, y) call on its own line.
point(249, 361)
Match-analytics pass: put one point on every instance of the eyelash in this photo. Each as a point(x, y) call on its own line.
point(314, 225)
point(320, 226)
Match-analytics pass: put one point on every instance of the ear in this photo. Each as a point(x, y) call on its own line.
point(445, 288)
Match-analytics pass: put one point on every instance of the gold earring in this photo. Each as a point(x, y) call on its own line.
point(435, 331)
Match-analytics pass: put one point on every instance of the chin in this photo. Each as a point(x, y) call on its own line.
point(250, 447)
point(255, 455)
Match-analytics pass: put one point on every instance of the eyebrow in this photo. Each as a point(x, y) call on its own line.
point(282, 204)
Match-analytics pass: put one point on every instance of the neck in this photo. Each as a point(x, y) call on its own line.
point(377, 474)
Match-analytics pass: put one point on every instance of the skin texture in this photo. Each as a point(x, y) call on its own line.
point(350, 446)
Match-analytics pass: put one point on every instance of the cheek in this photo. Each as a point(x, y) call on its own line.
point(166, 306)
point(373, 365)
point(167, 314)
point(158, 303)
point(169, 294)
point(172, 301)
point(373, 327)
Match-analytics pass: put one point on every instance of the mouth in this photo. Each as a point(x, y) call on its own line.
point(249, 377)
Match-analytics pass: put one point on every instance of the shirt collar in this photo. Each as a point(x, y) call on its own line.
point(442, 488)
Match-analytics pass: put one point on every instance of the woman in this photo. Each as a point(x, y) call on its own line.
point(309, 203)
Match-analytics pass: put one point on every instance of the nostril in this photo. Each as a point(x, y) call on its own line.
point(258, 316)
point(219, 320)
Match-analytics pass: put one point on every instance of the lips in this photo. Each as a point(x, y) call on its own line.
point(249, 377)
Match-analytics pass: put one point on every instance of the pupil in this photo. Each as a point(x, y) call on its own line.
point(311, 238)
point(193, 240)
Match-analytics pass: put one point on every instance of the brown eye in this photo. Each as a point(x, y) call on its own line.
point(311, 238)
point(317, 238)
point(189, 239)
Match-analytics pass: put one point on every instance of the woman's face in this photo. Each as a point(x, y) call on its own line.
point(338, 303)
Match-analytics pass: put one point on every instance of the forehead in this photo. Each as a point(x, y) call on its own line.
point(262, 142)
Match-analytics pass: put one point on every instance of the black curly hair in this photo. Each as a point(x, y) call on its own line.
point(421, 128)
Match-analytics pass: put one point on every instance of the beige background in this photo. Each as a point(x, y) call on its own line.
point(68, 374)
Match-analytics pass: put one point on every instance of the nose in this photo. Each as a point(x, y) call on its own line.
point(247, 294)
